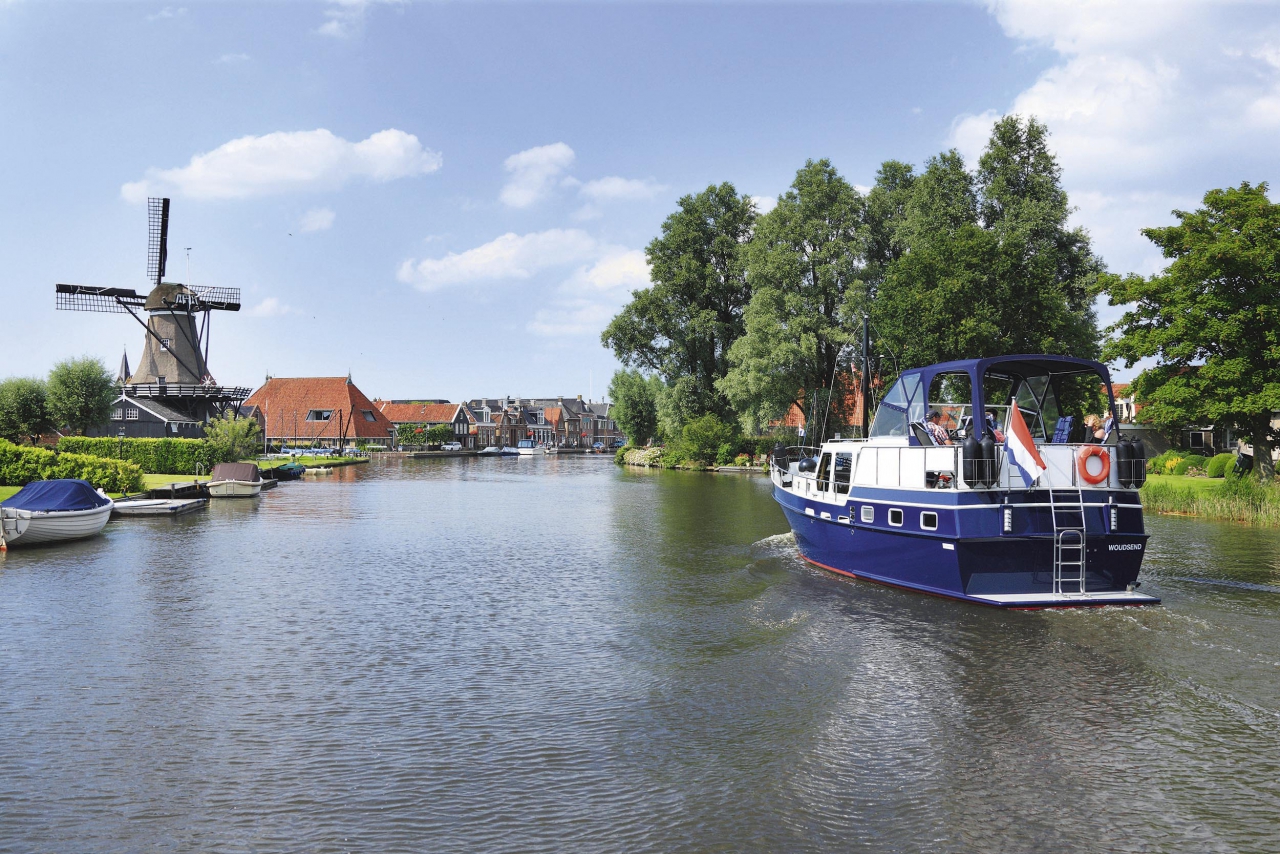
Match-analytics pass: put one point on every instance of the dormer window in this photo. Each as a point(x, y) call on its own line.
point(368, 414)
point(319, 414)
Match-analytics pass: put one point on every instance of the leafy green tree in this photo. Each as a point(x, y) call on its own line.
point(702, 438)
point(682, 327)
point(80, 393)
point(635, 404)
point(411, 434)
point(1211, 320)
point(24, 414)
point(233, 438)
point(440, 433)
point(988, 265)
point(804, 263)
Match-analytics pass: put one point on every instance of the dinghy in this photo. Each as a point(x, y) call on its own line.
point(48, 511)
point(235, 480)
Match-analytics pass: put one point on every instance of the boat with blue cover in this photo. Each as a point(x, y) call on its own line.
point(47, 511)
point(1006, 499)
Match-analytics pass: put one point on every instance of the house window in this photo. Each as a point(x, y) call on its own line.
point(929, 521)
point(895, 517)
point(319, 415)
point(160, 380)
point(117, 415)
point(173, 427)
point(1197, 439)
point(131, 415)
point(368, 414)
point(164, 343)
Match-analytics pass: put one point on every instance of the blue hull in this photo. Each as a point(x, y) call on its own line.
point(968, 556)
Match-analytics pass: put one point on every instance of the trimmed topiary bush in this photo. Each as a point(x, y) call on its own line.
point(20, 466)
point(153, 456)
point(1218, 465)
point(1189, 462)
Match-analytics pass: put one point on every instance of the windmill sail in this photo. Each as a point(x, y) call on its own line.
point(157, 238)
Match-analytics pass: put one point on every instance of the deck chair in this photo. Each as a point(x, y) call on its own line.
point(1062, 433)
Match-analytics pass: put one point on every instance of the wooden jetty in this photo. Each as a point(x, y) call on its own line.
point(157, 506)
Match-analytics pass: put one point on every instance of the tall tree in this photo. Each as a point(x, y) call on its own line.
point(804, 265)
point(990, 266)
point(682, 327)
point(635, 405)
point(1211, 319)
point(24, 414)
point(80, 393)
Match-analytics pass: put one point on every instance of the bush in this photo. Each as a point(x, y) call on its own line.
point(1218, 464)
point(742, 461)
point(1192, 461)
point(153, 456)
point(20, 466)
point(1164, 463)
point(725, 454)
point(704, 437)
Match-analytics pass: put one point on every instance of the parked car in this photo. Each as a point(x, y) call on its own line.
point(598, 447)
point(451, 446)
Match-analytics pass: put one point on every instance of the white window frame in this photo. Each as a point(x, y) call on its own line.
point(892, 511)
point(131, 415)
point(117, 414)
point(925, 515)
point(868, 513)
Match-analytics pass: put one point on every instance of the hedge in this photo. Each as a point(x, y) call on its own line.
point(1190, 462)
point(153, 456)
point(20, 466)
point(1218, 464)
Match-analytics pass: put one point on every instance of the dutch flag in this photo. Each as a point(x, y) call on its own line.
point(1020, 448)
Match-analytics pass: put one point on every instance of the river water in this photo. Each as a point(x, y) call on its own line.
point(556, 654)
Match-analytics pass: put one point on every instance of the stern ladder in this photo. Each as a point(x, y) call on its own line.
point(1066, 508)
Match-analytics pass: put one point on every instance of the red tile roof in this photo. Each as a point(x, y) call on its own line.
point(419, 413)
point(285, 402)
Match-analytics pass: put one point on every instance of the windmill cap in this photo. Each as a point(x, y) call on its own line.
point(165, 292)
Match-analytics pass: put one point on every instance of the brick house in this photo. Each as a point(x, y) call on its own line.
point(319, 411)
point(432, 414)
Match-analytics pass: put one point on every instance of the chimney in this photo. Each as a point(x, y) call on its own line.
point(560, 400)
point(579, 397)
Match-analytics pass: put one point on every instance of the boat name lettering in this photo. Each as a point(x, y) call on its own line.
point(1125, 547)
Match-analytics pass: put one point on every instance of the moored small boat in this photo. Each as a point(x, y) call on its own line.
point(496, 451)
point(235, 480)
point(288, 471)
point(49, 511)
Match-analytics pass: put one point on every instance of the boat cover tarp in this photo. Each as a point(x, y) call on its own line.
point(56, 495)
point(236, 471)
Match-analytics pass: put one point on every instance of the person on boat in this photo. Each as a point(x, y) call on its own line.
point(1094, 433)
point(994, 427)
point(936, 431)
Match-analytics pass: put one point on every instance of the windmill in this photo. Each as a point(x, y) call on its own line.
point(173, 373)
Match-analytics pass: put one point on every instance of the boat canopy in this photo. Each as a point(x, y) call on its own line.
point(56, 496)
point(1041, 386)
point(245, 472)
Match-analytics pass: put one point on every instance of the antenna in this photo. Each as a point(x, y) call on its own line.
point(157, 238)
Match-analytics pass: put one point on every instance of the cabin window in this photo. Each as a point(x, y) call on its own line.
point(951, 394)
point(131, 415)
point(824, 473)
point(164, 343)
point(929, 521)
point(895, 517)
point(117, 415)
point(903, 403)
point(368, 414)
point(868, 513)
point(319, 414)
point(844, 469)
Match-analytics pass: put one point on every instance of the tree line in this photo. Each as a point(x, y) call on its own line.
point(749, 313)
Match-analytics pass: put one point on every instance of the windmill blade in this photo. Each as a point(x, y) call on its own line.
point(105, 300)
point(157, 238)
point(217, 299)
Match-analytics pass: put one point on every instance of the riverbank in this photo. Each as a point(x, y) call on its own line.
point(1210, 498)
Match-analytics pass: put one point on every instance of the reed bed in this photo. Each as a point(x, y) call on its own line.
point(1234, 500)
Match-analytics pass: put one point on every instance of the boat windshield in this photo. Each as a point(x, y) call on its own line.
point(525, 443)
point(902, 405)
point(1054, 406)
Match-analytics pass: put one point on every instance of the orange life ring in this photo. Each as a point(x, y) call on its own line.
point(1082, 463)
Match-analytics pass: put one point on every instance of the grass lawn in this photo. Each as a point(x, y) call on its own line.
point(151, 481)
point(7, 491)
point(1180, 481)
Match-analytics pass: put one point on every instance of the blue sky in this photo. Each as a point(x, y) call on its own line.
point(451, 199)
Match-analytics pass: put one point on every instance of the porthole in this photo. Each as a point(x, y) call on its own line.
point(895, 517)
point(929, 521)
point(868, 513)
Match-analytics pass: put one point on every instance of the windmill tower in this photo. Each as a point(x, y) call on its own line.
point(172, 382)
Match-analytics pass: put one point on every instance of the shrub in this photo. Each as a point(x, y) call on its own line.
point(1186, 463)
point(1164, 463)
point(742, 460)
point(725, 454)
point(1218, 464)
point(704, 437)
point(154, 456)
point(20, 466)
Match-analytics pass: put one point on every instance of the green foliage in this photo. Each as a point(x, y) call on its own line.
point(1211, 319)
point(703, 438)
point(804, 264)
point(80, 393)
point(20, 466)
point(24, 413)
point(742, 460)
point(411, 434)
point(440, 433)
point(1218, 465)
point(233, 438)
point(682, 327)
point(1189, 462)
point(1165, 463)
point(985, 264)
point(153, 456)
point(725, 454)
point(635, 404)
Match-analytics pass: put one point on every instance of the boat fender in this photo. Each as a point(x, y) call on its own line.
point(1139, 472)
point(1082, 463)
point(972, 453)
point(1124, 462)
point(989, 473)
point(808, 464)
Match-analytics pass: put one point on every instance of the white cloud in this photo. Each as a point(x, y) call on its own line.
point(345, 18)
point(615, 188)
point(587, 300)
point(1149, 104)
point(270, 307)
point(316, 219)
point(166, 13)
point(288, 161)
point(764, 204)
point(231, 58)
point(511, 256)
point(534, 173)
